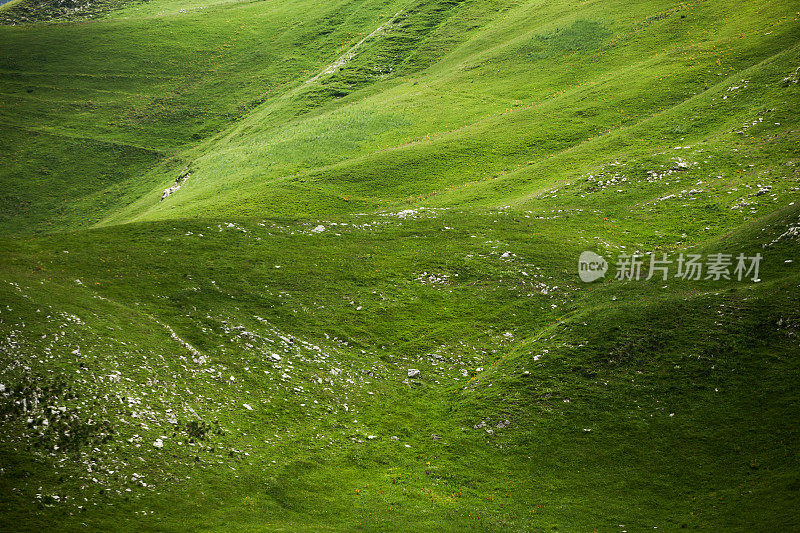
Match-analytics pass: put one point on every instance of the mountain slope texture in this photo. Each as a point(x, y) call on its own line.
point(290, 265)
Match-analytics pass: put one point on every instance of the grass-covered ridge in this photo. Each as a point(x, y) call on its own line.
point(361, 189)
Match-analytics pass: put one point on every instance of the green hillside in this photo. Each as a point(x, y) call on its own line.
point(286, 265)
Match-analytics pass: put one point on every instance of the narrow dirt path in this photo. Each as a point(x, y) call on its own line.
point(351, 53)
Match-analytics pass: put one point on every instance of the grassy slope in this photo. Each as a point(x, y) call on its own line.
point(520, 91)
point(173, 80)
point(560, 111)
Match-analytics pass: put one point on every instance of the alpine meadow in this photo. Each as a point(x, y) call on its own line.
point(399, 265)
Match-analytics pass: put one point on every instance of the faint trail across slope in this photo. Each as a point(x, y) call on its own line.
point(351, 53)
point(330, 69)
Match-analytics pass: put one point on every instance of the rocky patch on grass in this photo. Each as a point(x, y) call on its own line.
point(30, 11)
point(172, 189)
point(791, 79)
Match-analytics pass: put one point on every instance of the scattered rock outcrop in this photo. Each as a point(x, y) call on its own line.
point(180, 180)
point(793, 78)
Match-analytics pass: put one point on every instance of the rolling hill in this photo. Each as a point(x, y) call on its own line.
point(288, 265)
